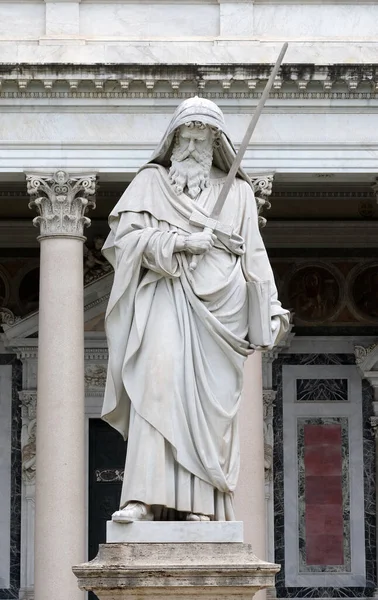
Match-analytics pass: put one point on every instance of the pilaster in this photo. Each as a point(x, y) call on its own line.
point(28, 400)
point(269, 396)
point(367, 365)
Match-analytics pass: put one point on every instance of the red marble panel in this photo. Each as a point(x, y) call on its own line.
point(323, 495)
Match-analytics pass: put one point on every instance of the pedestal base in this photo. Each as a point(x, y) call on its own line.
point(155, 532)
point(206, 571)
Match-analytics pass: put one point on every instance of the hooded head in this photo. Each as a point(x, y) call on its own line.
point(199, 110)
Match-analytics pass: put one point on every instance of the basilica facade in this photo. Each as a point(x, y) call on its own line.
point(87, 88)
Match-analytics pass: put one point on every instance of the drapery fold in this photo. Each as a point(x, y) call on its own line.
point(177, 339)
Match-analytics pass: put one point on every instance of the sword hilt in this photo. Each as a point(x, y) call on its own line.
point(196, 258)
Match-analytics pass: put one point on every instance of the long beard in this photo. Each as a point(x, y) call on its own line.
point(190, 172)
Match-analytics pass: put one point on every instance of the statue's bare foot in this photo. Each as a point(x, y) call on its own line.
point(133, 511)
point(197, 517)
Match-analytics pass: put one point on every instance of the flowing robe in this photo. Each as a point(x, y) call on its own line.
point(177, 343)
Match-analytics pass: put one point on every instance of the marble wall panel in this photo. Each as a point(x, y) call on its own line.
point(22, 20)
point(12, 590)
point(322, 390)
point(149, 20)
point(324, 591)
point(306, 20)
point(323, 495)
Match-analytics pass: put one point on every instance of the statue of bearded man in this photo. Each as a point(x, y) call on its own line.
point(178, 338)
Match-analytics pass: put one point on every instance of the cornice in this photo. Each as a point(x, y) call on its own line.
point(295, 81)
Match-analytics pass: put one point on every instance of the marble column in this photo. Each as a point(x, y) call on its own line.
point(250, 492)
point(61, 201)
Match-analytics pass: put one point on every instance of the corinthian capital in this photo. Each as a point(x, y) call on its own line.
point(61, 201)
point(262, 186)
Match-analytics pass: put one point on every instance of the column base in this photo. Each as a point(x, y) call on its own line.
point(190, 570)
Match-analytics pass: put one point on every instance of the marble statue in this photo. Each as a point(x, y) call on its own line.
point(178, 338)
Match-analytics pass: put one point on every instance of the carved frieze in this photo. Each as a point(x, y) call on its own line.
point(95, 265)
point(95, 376)
point(61, 200)
point(269, 397)
point(28, 400)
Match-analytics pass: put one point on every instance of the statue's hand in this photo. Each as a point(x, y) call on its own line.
point(199, 243)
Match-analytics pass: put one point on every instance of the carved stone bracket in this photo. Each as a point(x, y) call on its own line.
point(61, 201)
point(262, 186)
point(7, 317)
point(28, 400)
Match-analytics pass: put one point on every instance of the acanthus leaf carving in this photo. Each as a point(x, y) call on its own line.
point(262, 186)
point(61, 201)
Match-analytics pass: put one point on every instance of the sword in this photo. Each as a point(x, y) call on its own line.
point(210, 222)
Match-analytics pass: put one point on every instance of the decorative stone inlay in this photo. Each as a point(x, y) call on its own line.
point(109, 475)
point(327, 492)
point(322, 390)
point(61, 201)
point(269, 397)
point(29, 425)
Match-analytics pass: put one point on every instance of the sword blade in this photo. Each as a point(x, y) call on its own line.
point(247, 137)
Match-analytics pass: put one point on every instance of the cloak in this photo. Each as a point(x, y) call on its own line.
point(178, 339)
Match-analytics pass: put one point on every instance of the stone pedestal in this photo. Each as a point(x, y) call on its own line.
point(193, 570)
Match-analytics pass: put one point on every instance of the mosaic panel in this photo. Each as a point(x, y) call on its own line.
point(13, 590)
point(278, 477)
point(324, 495)
point(322, 390)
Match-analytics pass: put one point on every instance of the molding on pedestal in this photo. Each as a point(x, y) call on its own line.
point(174, 570)
point(62, 201)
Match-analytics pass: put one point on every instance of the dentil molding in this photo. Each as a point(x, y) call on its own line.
point(294, 81)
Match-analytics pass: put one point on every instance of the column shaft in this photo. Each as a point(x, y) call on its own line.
point(250, 493)
point(60, 481)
